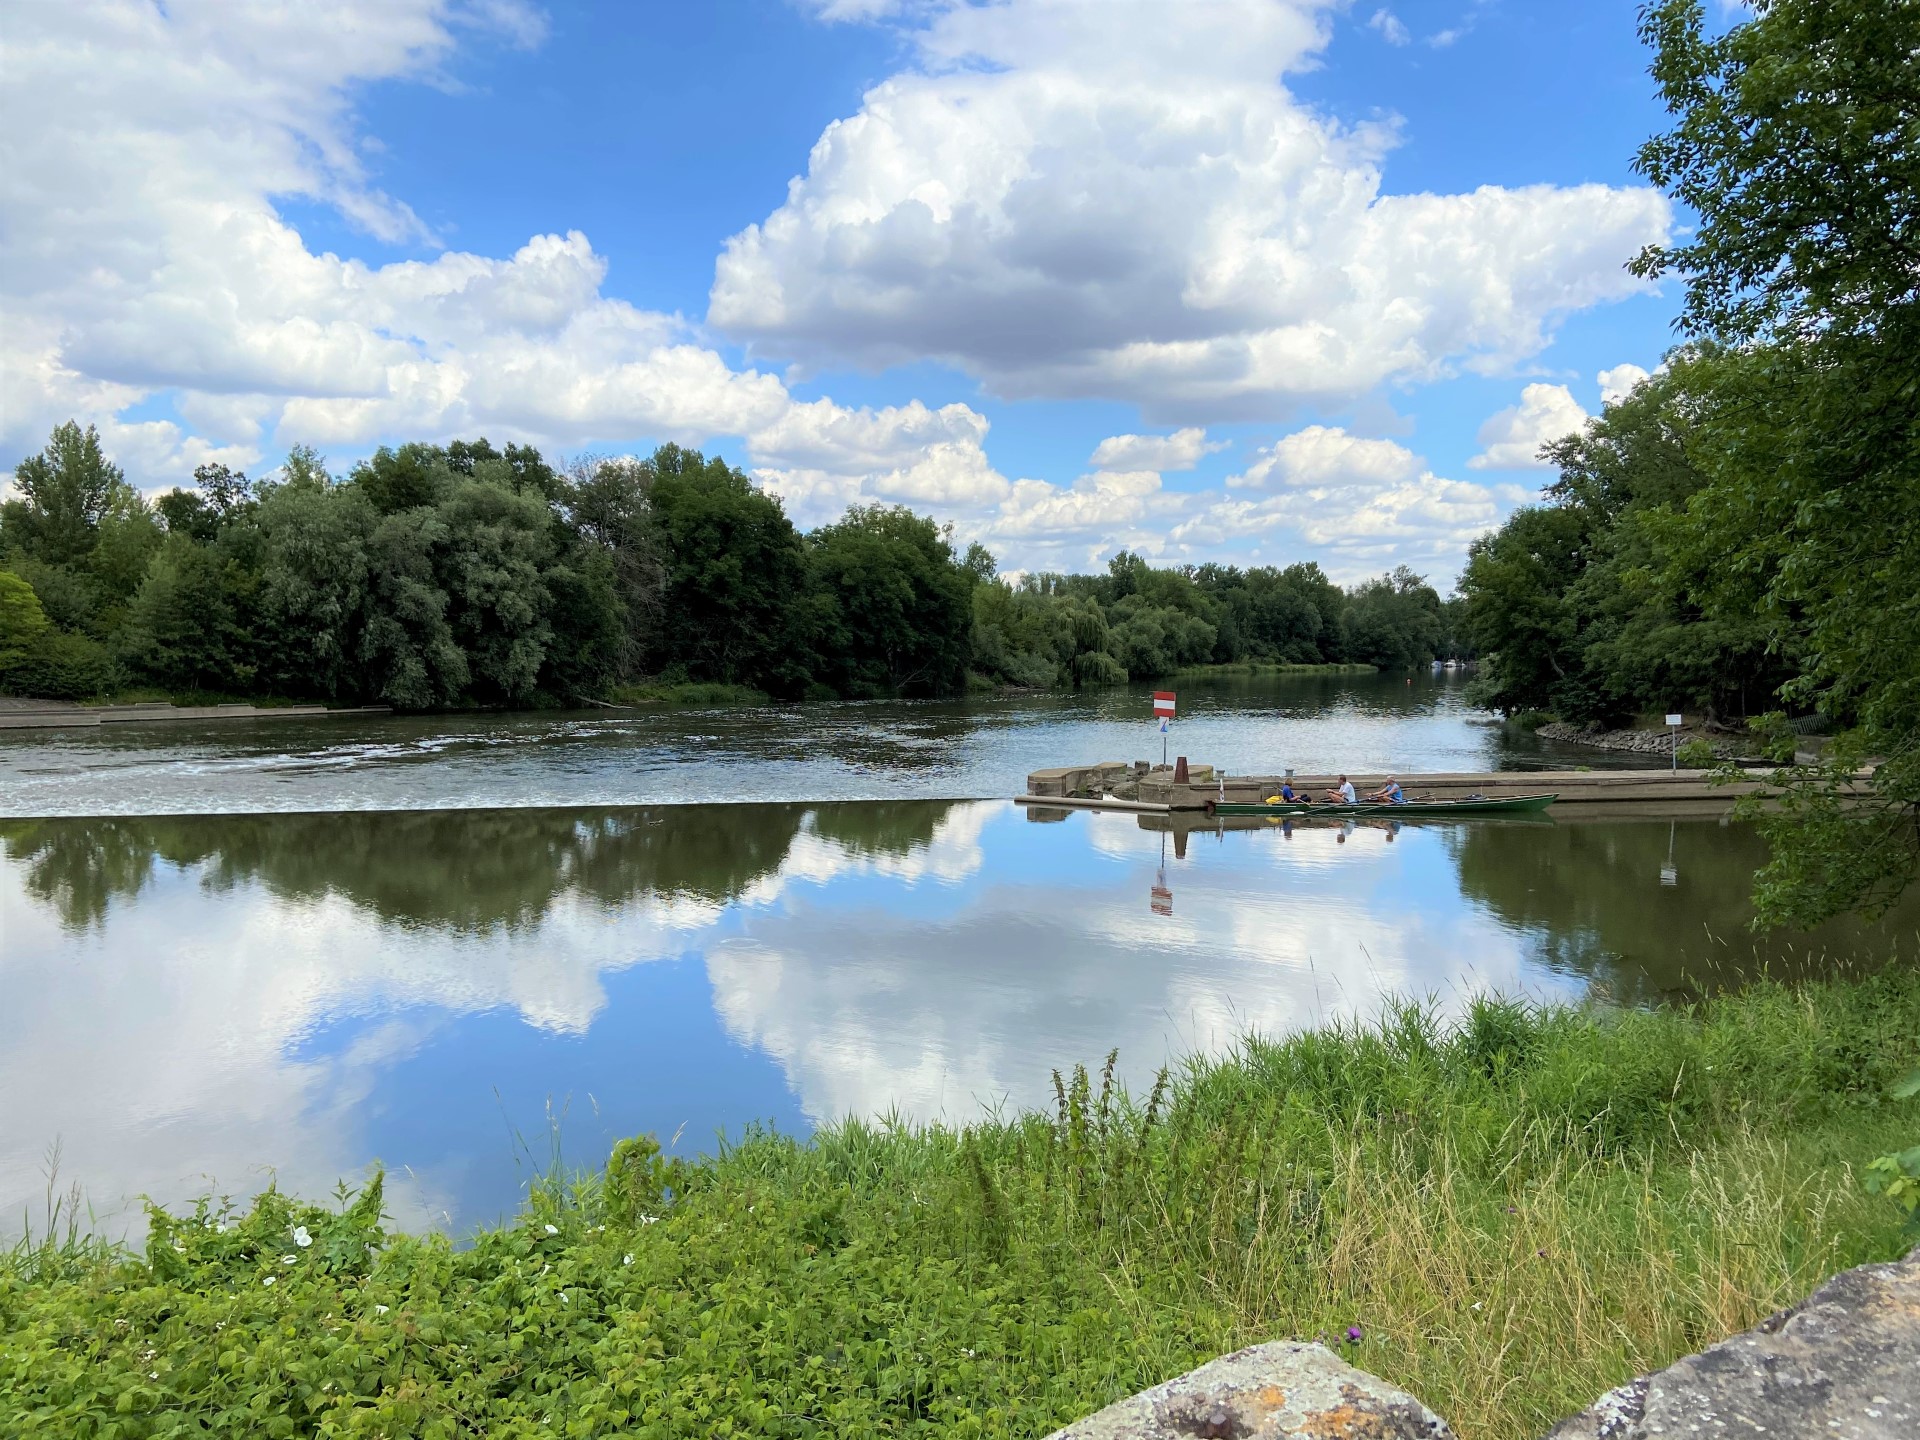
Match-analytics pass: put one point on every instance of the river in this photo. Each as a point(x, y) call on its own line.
point(201, 1001)
point(882, 750)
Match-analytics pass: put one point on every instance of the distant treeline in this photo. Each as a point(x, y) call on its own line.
point(435, 576)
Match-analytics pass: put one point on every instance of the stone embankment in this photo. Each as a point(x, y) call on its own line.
point(1659, 742)
point(1844, 1363)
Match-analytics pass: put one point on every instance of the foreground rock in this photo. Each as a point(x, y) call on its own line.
point(1267, 1392)
point(1843, 1363)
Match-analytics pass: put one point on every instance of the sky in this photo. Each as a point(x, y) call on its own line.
point(1251, 281)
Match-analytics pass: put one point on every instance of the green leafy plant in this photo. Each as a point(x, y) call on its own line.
point(1696, 754)
point(1897, 1176)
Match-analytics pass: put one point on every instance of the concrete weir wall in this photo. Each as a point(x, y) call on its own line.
point(19, 715)
point(1155, 785)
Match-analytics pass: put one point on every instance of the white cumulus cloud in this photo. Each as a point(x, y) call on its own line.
point(1078, 200)
point(1181, 450)
point(1511, 439)
point(1617, 382)
point(1367, 503)
point(145, 252)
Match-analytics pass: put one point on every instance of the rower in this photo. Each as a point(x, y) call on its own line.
point(1343, 793)
point(1390, 792)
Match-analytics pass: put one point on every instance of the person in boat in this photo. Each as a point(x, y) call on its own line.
point(1342, 794)
point(1390, 792)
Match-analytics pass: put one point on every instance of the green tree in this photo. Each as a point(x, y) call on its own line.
point(403, 479)
point(315, 590)
point(65, 492)
point(607, 504)
point(899, 605)
point(494, 547)
point(1392, 622)
point(23, 624)
point(1516, 586)
point(407, 651)
point(185, 629)
point(735, 574)
point(1795, 142)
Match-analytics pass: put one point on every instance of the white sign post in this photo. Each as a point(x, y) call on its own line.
point(1675, 721)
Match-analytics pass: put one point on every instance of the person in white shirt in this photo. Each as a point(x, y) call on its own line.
point(1342, 793)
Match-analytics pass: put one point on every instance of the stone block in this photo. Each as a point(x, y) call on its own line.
point(1842, 1364)
point(1267, 1392)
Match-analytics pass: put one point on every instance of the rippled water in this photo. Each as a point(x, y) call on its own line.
point(197, 1001)
point(885, 750)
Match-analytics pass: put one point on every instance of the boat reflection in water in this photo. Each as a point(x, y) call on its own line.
point(194, 1002)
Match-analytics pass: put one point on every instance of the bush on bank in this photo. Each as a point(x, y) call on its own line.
point(1516, 1211)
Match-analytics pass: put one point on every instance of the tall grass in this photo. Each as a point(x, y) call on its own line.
point(1516, 1211)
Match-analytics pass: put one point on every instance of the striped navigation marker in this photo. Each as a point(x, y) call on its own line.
point(1163, 712)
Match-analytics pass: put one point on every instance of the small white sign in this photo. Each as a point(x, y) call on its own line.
point(1165, 724)
point(1676, 719)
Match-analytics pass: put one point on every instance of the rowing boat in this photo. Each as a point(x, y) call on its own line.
point(1413, 809)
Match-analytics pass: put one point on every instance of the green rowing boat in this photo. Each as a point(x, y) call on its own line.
point(1413, 809)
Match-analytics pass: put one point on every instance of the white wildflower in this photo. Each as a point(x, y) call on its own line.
point(379, 1309)
point(553, 1229)
point(301, 1237)
point(288, 1259)
point(627, 1261)
point(270, 1279)
point(649, 1219)
point(563, 1298)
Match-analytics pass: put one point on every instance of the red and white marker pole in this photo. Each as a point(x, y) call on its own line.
point(1163, 712)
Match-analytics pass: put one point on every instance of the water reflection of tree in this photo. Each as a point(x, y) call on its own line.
point(79, 869)
point(1592, 898)
point(450, 869)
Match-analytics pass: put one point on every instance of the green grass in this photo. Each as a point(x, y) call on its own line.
point(689, 693)
point(1519, 1211)
point(1268, 667)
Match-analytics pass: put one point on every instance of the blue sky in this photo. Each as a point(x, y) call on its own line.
point(1249, 280)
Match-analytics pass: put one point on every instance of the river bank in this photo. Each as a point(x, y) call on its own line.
point(1508, 1215)
point(1660, 743)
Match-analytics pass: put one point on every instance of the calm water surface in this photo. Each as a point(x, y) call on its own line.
point(198, 1001)
point(881, 751)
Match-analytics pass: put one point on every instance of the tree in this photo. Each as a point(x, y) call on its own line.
point(735, 570)
point(403, 479)
point(1794, 142)
point(490, 560)
point(607, 504)
point(315, 588)
point(899, 606)
point(1516, 585)
point(22, 622)
point(184, 629)
point(65, 492)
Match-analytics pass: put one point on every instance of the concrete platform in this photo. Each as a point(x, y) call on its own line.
point(1618, 790)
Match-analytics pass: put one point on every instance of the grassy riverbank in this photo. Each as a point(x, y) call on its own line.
point(1517, 1213)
